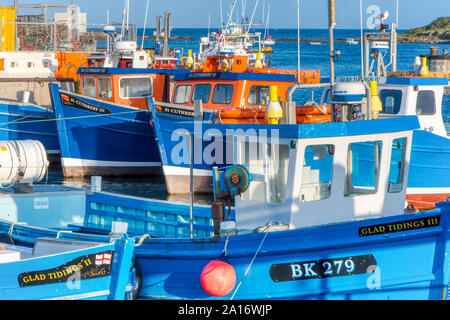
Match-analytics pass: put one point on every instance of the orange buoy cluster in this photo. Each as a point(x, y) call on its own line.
point(218, 278)
point(241, 115)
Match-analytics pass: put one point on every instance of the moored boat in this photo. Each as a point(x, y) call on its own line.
point(225, 91)
point(66, 270)
point(102, 131)
point(346, 180)
point(291, 184)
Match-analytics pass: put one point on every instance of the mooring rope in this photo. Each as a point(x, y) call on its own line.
point(70, 118)
point(251, 263)
point(141, 240)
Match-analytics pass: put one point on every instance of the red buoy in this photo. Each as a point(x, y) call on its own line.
point(218, 278)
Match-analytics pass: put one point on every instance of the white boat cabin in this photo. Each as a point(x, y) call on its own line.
point(315, 174)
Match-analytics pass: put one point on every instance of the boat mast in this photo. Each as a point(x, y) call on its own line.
point(266, 28)
point(253, 15)
point(145, 25)
point(361, 41)
point(298, 40)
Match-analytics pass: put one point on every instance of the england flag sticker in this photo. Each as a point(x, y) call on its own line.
point(101, 259)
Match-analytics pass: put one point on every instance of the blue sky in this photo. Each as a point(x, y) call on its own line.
point(195, 13)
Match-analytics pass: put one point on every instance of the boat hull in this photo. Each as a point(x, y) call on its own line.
point(71, 275)
point(101, 138)
point(356, 260)
point(397, 257)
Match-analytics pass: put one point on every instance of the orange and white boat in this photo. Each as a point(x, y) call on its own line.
point(233, 90)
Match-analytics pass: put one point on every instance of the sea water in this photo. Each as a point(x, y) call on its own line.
point(312, 57)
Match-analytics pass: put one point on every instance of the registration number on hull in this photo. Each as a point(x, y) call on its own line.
point(336, 267)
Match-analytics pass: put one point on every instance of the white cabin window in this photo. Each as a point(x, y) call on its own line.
point(258, 95)
point(391, 101)
point(426, 102)
point(89, 89)
point(135, 87)
point(268, 164)
point(397, 165)
point(182, 94)
point(363, 166)
point(223, 93)
point(317, 172)
point(104, 88)
point(201, 92)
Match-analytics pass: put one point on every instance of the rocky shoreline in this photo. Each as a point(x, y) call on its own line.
point(437, 32)
point(400, 39)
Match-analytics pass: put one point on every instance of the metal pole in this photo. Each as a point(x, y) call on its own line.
point(366, 55)
point(158, 31)
point(361, 42)
point(331, 24)
point(166, 33)
point(298, 40)
point(108, 41)
point(145, 25)
point(394, 48)
point(16, 7)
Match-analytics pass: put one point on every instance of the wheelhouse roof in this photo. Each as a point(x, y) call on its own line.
point(320, 130)
point(417, 81)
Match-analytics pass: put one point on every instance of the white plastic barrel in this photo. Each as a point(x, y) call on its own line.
point(22, 161)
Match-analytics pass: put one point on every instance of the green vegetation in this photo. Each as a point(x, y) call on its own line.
point(436, 32)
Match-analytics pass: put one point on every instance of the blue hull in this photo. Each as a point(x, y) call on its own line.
point(22, 122)
point(349, 263)
point(104, 138)
point(399, 257)
point(430, 161)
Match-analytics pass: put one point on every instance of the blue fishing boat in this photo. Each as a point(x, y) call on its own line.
point(103, 130)
point(291, 184)
point(66, 270)
point(422, 96)
point(225, 89)
point(275, 247)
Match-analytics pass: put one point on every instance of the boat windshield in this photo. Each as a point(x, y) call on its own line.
point(201, 92)
point(182, 94)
